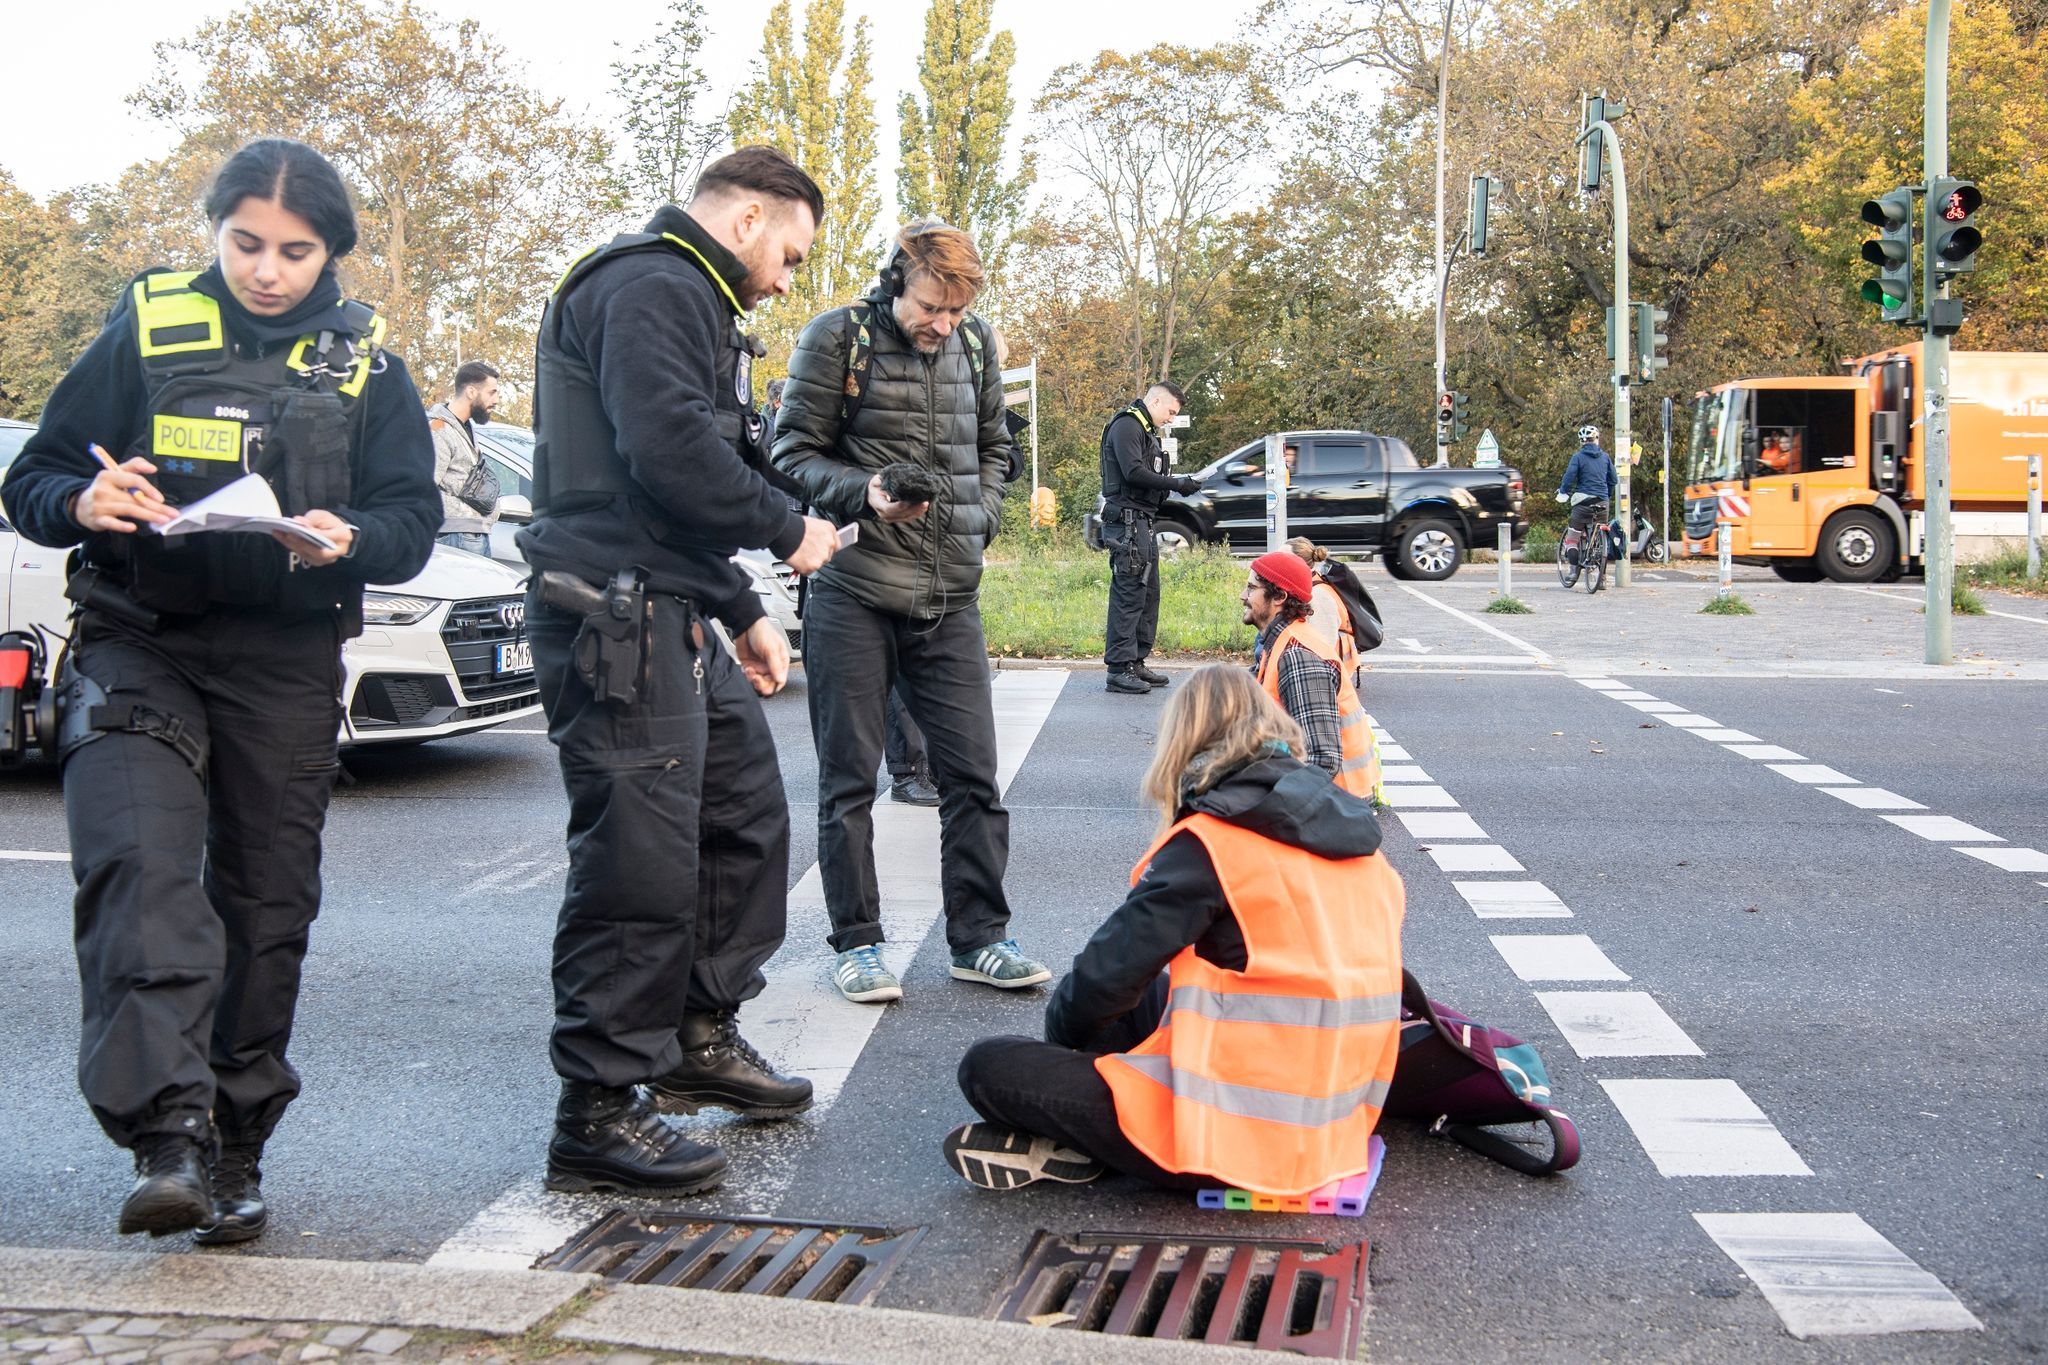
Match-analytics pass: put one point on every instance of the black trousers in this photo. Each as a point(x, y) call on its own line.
point(853, 656)
point(903, 748)
point(1133, 592)
point(1056, 1092)
point(199, 877)
point(678, 846)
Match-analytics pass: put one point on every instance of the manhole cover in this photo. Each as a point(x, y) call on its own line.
point(1274, 1296)
point(825, 1262)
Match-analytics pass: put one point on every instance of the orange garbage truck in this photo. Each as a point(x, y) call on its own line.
point(1834, 470)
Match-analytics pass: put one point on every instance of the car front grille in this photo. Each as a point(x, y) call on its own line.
point(472, 634)
point(1700, 516)
point(385, 700)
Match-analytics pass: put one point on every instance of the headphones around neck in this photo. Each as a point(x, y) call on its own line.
point(896, 255)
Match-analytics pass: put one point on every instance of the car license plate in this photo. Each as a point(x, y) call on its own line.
point(516, 657)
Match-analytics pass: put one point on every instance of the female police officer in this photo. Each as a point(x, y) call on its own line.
point(199, 702)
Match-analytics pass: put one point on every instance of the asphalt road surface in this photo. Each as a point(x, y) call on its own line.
point(1764, 892)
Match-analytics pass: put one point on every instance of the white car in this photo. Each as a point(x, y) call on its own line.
point(509, 452)
point(444, 653)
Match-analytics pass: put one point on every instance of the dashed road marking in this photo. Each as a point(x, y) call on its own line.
point(1512, 900)
point(26, 855)
point(1655, 707)
point(1703, 1128)
point(1556, 957)
point(1419, 796)
point(1832, 1274)
point(1616, 1024)
point(1766, 753)
point(1392, 753)
point(1813, 774)
point(2011, 859)
point(1631, 695)
point(1872, 798)
point(1475, 858)
point(1728, 736)
point(1686, 720)
point(1942, 829)
point(1404, 772)
point(1602, 684)
point(1495, 631)
point(1444, 825)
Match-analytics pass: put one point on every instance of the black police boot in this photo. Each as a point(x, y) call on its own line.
point(1128, 681)
point(239, 1213)
point(170, 1193)
point(917, 789)
point(1149, 675)
point(610, 1138)
point(721, 1068)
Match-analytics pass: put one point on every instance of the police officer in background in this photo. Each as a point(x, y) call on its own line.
point(648, 475)
point(200, 696)
point(1135, 482)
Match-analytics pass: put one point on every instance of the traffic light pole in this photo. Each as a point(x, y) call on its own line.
point(1939, 554)
point(1443, 272)
point(1624, 353)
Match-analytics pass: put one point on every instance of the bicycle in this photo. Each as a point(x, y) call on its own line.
point(1594, 546)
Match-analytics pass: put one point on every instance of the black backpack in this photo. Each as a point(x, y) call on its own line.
point(1366, 631)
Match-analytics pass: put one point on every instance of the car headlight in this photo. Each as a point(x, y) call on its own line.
point(395, 609)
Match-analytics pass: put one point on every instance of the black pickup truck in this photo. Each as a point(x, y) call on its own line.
point(1354, 493)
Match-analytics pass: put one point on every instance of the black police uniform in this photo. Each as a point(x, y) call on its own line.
point(648, 461)
point(1135, 481)
point(200, 698)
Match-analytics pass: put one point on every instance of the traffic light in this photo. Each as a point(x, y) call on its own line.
point(1952, 236)
point(1610, 336)
point(1475, 212)
point(1891, 253)
point(1443, 419)
point(1594, 109)
point(1461, 411)
point(1651, 341)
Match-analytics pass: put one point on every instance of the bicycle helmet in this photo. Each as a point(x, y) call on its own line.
point(1589, 433)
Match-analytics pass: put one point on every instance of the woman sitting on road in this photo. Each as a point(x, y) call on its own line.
point(1235, 1021)
point(1329, 614)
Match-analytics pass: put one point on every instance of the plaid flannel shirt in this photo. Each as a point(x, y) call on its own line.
point(1308, 692)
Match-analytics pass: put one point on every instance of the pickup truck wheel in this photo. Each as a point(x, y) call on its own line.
point(1856, 547)
point(1393, 566)
point(1429, 550)
point(1171, 537)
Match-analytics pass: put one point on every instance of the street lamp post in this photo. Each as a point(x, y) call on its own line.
point(1623, 351)
point(1443, 86)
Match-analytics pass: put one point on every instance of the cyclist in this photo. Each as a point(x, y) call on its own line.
point(1588, 485)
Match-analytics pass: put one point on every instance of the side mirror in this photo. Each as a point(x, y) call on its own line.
point(1237, 471)
point(515, 508)
point(1752, 453)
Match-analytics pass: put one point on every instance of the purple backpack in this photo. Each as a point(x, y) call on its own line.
point(1460, 1077)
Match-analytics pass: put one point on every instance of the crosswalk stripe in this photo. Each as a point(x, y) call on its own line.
point(1512, 900)
point(1616, 1024)
point(1832, 1274)
point(1556, 957)
point(1710, 1127)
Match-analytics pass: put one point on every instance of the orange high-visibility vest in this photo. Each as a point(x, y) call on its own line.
point(1359, 770)
point(1271, 1079)
point(1346, 641)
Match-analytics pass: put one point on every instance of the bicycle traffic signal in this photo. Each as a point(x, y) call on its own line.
point(1651, 341)
point(1892, 254)
point(1952, 235)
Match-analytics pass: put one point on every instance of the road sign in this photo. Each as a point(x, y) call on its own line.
point(1734, 504)
point(1486, 454)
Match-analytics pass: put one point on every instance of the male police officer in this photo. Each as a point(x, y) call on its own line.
point(1134, 482)
point(648, 475)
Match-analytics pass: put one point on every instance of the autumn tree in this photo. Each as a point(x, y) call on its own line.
point(473, 189)
point(812, 103)
point(670, 126)
point(953, 139)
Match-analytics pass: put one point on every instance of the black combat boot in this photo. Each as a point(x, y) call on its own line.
point(1150, 676)
point(721, 1068)
point(914, 789)
point(239, 1213)
point(170, 1193)
point(610, 1138)
point(1127, 681)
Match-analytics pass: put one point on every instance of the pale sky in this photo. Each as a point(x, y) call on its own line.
point(70, 66)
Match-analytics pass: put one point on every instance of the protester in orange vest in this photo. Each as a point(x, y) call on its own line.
point(1235, 1020)
point(1299, 667)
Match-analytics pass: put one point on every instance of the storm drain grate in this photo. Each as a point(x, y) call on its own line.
point(823, 1262)
point(1301, 1297)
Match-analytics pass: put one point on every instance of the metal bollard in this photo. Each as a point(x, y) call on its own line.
point(2033, 516)
point(1725, 536)
point(1506, 537)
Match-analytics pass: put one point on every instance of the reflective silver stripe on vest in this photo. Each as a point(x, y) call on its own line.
point(1355, 765)
point(1352, 721)
point(1251, 1102)
point(1300, 1011)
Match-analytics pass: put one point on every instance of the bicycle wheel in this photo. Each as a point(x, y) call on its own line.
point(1595, 556)
point(1567, 572)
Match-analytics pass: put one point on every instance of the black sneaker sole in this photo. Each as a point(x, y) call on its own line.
point(668, 1102)
point(576, 1182)
point(997, 1158)
point(228, 1234)
point(161, 1212)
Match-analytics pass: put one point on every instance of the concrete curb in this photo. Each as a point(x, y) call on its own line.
point(513, 1302)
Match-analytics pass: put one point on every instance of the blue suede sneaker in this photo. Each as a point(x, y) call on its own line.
point(863, 979)
point(1000, 964)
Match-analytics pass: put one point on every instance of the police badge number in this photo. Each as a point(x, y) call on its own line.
point(743, 373)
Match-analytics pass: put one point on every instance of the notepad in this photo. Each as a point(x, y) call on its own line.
point(247, 504)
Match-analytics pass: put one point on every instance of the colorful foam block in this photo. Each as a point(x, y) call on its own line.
point(1343, 1198)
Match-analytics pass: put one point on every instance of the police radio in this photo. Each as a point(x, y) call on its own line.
point(28, 708)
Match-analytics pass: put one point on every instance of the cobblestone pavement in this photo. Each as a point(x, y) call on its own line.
point(59, 1338)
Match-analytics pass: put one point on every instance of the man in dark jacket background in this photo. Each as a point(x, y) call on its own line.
point(1136, 478)
point(648, 475)
point(905, 377)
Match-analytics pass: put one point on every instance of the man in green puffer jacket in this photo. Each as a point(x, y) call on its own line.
point(905, 377)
